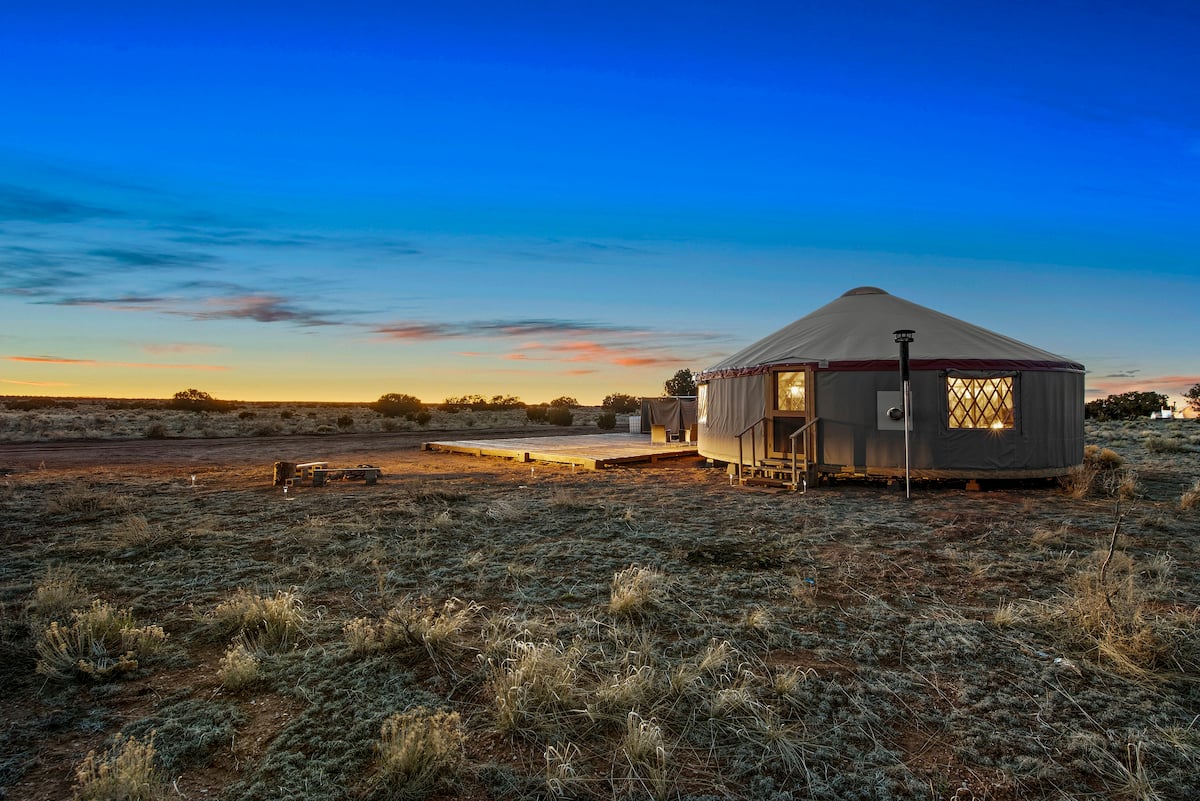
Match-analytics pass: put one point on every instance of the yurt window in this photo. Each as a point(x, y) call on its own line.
point(980, 402)
point(702, 404)
point(789, 391)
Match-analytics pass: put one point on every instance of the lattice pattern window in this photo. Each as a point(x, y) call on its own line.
point(980, 402)
point(789, 392)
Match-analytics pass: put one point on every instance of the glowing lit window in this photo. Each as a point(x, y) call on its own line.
point(980, 402)
point(789, 392)
point(702, 404)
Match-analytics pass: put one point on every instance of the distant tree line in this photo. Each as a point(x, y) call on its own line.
point(1127, 405)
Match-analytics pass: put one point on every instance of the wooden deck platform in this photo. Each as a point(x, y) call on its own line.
point(590, 451)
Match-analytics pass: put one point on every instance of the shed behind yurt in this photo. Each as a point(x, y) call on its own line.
point(827, 389)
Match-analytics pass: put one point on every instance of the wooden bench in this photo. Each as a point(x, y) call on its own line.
point(363, 473)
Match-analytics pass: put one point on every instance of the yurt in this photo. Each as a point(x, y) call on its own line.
point(826, 393)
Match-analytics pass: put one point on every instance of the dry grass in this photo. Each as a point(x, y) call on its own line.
point(829, 645)
point(239, 668)
point(1191, 497)
point(266, 622)
point(99, 642)
point(124, 772)
point(636, 592)
point(417, 752)
point(536, 687)
point(1113, 607)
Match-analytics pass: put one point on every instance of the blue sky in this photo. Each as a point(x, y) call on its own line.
point(324, 201)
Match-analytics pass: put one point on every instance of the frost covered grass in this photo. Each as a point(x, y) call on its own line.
point(469, 628)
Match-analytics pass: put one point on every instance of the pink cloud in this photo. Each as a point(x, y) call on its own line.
point(94, 363)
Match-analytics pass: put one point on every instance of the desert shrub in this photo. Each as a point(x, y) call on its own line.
point(35, 404)
point(345, 421)
point(194, 400)
point(246, 415)
point(396, 404)
point(422, 417)
point(536, 414)
point(270, 623)
point(238, 668)
point(124, 772)
point(265, 430)
point(99, 642)
point(621, 403)
point(418, 752)
point(156, 431)
point(1157, 444)
point(559, 416)
point(1190, 497)
point(323, 429)
point(606, 421)
point(1102, 458)
point(286, 414)
point(636, 591)
point(565, 402)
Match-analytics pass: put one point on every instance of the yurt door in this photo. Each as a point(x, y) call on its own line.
point(787, 406)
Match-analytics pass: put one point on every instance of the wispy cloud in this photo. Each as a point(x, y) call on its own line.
point(32, 205)
point(563, 341)
point(35, 383)
point(151, 258)
point(1165, 384)
point(181, 347)
point(263, 308)
point(260, 308)
point(499, 328)
point(63, 361)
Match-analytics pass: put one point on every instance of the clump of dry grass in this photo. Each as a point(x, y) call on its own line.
point(270, 623)
point(1102, 470)
point(632, 687)
point(1046, 537)
point(418, 751)
point(99, 642)
point(535, 685)
point(564, 777)
point(238, 668)
point(438, 630)
point(79, 499)
point(56, 596)
point(1112, 609)
point(647, 759)
point(1007, 615)
point(636, 592)
point(124, 772)
point(1103, 458)
point(1190, 497)
point(134, 531)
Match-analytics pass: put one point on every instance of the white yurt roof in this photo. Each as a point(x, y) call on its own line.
point(857, 329)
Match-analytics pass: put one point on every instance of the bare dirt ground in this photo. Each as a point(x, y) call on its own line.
point(240, 451)
point(642, 632)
